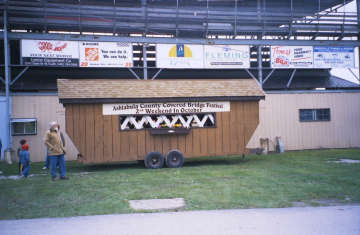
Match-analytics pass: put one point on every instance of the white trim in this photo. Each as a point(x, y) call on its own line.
point(23, 120)
point(31, 94)
point(309, 91)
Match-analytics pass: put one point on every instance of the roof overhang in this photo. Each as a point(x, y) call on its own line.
point(87, 91)
point(164, 99)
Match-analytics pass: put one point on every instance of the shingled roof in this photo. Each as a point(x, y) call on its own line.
point(121, 90)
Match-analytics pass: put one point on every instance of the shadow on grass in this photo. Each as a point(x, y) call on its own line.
point(215, 162)
point(113, 166)
point(77, 167)
point(193, 162)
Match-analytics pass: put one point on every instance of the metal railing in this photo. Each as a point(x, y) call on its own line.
point(182, 21)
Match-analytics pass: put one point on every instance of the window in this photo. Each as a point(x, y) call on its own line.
point(24, 126)
point(311, 115)
point(167, 121)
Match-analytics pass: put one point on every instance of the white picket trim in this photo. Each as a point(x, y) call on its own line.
point(187, 121)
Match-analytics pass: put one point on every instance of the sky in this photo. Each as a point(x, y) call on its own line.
point(345, 73)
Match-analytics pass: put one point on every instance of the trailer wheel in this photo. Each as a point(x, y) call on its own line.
point(154, 160)
point(174, 159)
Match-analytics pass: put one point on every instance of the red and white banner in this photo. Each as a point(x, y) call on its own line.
point(292, 57)
point(50, 53)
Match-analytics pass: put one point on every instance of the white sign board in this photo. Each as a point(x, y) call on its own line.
point(226, 56)
point(50, 53)
point(292, 57)
point(105, 54)
point(334, 57)
point(165, 108)
point(179, 56)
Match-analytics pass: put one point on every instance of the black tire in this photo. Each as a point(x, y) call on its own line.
point(174, 159)
point(154, 160)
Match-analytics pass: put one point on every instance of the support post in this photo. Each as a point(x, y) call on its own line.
point(7, 82)
point(260, 71)
point(144, 6)
point(358, 22)
point(291, 78)
point(145, 61)
point(259, 14)
point(291, 20)
point(264, 19)
point(268, 76)
point(207, 19)
point(156, 74)
point(177, 19)
point(252, 75)
point(259, 49)
point(235, 20)
point(133, 73)
point(19, 75)
point(355, 76)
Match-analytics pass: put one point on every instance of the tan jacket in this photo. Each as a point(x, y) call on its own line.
point(54, 143)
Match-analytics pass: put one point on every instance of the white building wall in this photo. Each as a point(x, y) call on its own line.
point(45, 109)
point(279, 116)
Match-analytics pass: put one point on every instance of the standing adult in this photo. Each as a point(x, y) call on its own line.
point(56, 151)
point(47, 160)
point(0, 149)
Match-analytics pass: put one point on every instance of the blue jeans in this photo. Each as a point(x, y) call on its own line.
point(25, 167)
point(57, 160)
point(47, 161)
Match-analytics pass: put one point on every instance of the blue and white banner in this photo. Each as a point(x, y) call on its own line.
point(334, 57)
point(226, 56)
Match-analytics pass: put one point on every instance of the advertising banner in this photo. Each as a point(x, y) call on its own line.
point(166, 108)
point(105, 54)
point(50, 53)
point(179, 56)
point(334, 57)
point(292, 57)
point(226, 56)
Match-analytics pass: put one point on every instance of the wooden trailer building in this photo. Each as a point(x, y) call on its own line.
point(116, 120)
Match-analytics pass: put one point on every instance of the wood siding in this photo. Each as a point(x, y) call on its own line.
point(99, 140)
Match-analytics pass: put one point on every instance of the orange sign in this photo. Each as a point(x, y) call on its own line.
point(105, 54)
point(92, 54)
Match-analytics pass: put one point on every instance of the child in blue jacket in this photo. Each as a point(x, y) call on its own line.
point(25, 160)
point(22, 142)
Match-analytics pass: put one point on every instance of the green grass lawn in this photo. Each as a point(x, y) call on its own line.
point(276, 180)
